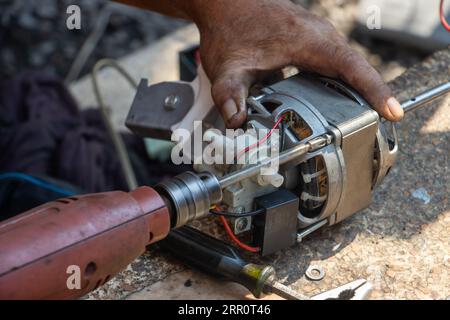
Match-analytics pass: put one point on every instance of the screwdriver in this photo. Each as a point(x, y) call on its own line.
point(222, 260)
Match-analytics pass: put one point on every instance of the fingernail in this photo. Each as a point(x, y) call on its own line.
point(229, 109)
point(395, 108)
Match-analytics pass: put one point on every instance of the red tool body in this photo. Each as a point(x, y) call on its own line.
point(99, 233)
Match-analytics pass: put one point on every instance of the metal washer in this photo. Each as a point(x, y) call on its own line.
point(315, 273)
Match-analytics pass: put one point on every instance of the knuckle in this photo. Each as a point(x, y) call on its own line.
point(218, 90)
point(327, 27)
point(292, 21)
point(224, 87)
point(352, 67)
point(323, 26)
point(346, 56)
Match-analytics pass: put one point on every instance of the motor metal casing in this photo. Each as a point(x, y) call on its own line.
point(358, 159)
point(327, 105)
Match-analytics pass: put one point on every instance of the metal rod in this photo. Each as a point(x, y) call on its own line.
point(286, 292)
point(282, 158)
point(311, 229)
point(425, 97)
point(117, 140)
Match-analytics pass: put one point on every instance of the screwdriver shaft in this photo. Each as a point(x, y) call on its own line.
point(285, 292)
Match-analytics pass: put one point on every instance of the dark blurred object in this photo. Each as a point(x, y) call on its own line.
point(414, 23)
point(188, 61)
point(33, 34)
point(20, 192)
point(42, 132)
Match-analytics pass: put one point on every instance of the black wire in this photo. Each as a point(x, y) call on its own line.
point(238, 215)
point(258, 211)
point(283, 135)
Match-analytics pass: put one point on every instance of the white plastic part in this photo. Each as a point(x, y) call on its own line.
point(276, 180)
point(224, 146)
point(203, 102)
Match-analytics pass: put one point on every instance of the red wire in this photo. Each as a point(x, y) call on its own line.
point(197, 57)
point(235, 239)
point(442, 16)
point(262, 139)
point(222, 218)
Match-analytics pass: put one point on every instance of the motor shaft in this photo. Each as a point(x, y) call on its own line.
point(284, 157)
point(425, 97)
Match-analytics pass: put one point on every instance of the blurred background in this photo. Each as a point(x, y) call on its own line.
point(33, 34)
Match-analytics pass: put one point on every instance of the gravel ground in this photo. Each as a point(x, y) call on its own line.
point(388, 58)
point(33, 34)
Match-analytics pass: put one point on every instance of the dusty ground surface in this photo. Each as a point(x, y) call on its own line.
point(400, 243)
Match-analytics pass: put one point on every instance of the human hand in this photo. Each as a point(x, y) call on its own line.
point(244, 40)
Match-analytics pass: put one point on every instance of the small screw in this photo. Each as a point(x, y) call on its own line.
point(241, 224)
point(170, 102)
point(239, 209)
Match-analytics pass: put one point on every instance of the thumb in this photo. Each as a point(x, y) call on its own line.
point(357, 72)
point(229, 92)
